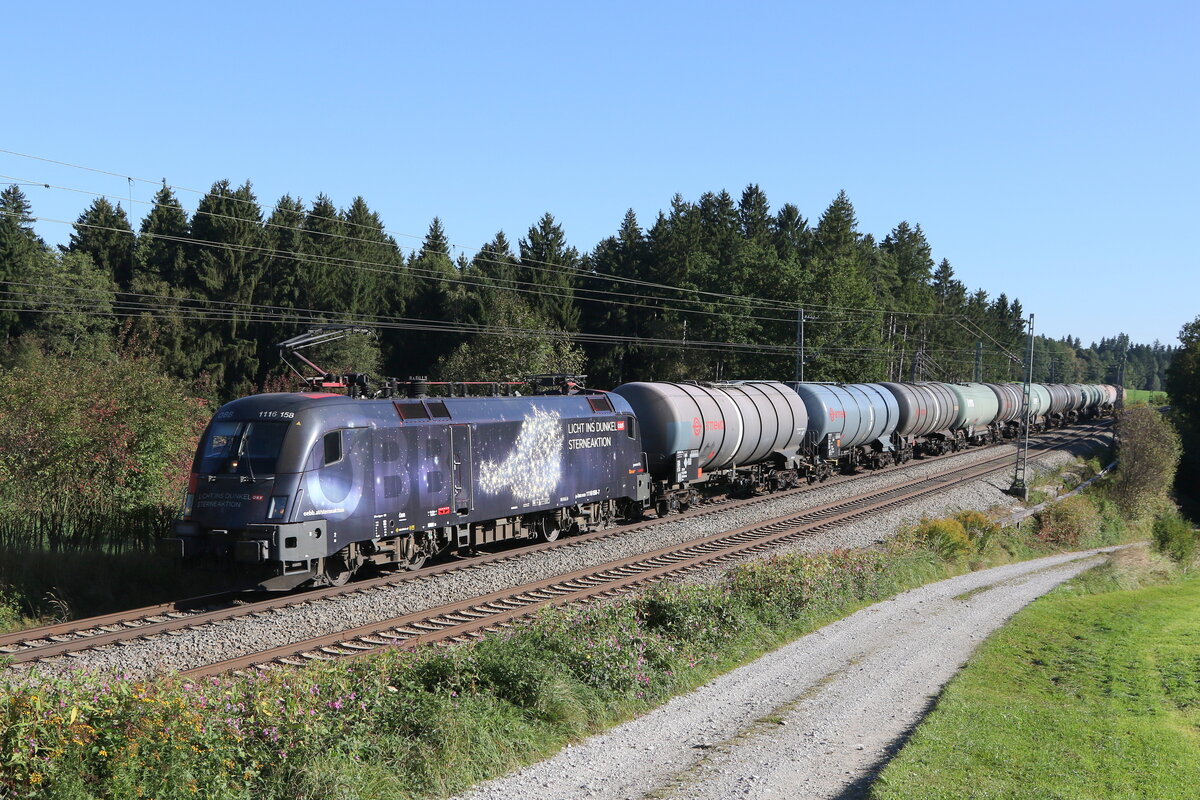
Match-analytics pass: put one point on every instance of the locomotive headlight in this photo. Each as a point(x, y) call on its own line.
point(188, 499)
point(278, 506)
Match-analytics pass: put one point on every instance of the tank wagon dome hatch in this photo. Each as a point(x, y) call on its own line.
point(728, 424)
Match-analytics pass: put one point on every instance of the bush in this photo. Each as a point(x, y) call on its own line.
point(1174, 536)
point(947, 537)
point(1070, 521)
point(88, 434)
point(1149, 454)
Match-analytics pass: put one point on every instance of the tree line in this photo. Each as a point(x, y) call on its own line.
point(710, 289)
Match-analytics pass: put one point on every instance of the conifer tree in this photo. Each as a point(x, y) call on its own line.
point(20, 254)
point(791, 235)
point(622, 255)
point(432, 271)
point(844, 348)
point(162, 267)
point(754, 214)
point(161, 252)
point(104, 234)
point(324, 249)
point(227, 228)
point(548, 261)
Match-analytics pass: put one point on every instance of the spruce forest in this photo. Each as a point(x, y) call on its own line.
point(710, 289)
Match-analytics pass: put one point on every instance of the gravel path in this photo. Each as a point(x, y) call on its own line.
point(815, 719)
point(193, 648)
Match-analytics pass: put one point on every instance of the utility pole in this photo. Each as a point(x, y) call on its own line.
point(1019, 487)
point(979, 361)
point(800, 344)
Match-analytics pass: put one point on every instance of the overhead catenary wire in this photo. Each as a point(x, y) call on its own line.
point(249, 313)
point(527, 263)
point(739, 306)
point(399, 270)
point(395, 269)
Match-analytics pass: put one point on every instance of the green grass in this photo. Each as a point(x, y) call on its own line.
point(1145, 396)
point(1090, 692)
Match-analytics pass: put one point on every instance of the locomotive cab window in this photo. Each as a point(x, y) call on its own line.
point(631, 427)
point(600, 403)
point(333, 447)
point(242, 448)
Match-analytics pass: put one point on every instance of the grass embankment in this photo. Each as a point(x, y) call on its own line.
point(1091, 691)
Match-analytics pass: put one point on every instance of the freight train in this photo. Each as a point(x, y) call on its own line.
point(310, 487)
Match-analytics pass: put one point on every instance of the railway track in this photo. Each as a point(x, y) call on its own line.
point(64, 639)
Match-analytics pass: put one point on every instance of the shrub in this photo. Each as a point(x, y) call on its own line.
point(1149, 454)
point(1066, 523)
point(1174, 536)
point(103, 436)
point(947, 536)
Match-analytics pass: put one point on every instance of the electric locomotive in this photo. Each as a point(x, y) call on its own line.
point(311, 486)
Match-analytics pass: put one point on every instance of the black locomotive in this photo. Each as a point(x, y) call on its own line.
point(312, 486)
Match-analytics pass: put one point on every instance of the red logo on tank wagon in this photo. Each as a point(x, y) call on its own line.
point(697, 426)
point(715, 424)
point(835, 415)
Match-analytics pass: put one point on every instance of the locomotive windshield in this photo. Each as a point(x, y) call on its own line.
point(242, 448)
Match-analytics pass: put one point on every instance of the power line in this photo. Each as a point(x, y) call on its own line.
point(528, 263)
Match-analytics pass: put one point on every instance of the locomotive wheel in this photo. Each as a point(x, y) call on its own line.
point(337, 569)
point(547, 529)
point(413, 554)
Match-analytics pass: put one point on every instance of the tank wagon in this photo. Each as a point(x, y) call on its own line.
point(849, 424)
point(1009, 398)
point(309, 487)
point(744, 437)
point(927, 412)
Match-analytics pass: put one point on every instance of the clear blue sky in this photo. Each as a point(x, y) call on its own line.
point(1049, 150)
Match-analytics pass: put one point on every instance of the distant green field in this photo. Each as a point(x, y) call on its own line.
point(1144, 396)
point(1080, 696)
